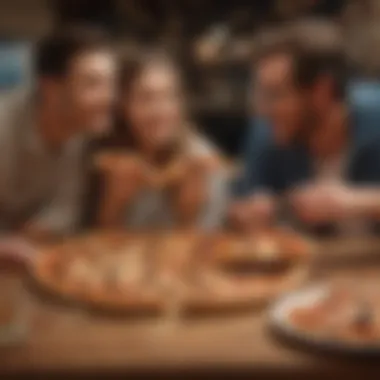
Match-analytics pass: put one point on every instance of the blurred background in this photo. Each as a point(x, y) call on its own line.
point(213, 40)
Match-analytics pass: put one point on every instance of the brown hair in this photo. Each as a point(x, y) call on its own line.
point(316, 49)
point(54, 53)
point(132, 67)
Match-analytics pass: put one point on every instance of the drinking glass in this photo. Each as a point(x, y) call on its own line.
point(13, 301)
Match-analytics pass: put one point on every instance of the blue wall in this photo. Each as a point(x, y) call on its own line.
point(14, 64)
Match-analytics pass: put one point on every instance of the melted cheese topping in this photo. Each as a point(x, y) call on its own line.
point(267, 249)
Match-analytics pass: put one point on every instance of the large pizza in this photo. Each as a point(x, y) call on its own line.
point(184, 270)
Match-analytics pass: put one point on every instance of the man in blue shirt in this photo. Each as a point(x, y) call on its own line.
point(316, 145)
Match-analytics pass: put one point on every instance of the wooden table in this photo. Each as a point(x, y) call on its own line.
point(74, 342)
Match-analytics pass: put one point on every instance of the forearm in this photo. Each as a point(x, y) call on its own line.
point(36, 233)
point(364, 203)
point(27, 231)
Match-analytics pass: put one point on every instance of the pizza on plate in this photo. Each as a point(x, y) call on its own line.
point(346, 311)
point(271, 252)
point(106, 271)
point(227, 271)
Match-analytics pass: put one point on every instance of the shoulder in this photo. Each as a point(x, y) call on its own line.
point(13, 107)
point(14, 100)
point(200, 146)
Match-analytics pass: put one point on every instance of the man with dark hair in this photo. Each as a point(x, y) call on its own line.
point(43, 134)
point(315, 146)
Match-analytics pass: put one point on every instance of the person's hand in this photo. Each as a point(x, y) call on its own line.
point(253, 213)
point(124, 177)
point(186, 168)
point(324, 203)
point(191, 186)
point(16, 249)
point(35, 232)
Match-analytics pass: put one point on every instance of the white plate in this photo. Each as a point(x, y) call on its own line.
point(280, 322)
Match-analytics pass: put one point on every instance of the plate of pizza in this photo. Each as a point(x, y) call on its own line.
point(277, 247)
point(227, 271)
point(105, 271)
point(341, 315)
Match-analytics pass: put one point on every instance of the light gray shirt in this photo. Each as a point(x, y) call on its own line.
point(37, 185)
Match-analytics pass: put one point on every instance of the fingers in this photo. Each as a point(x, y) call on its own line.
point(171, 176)
point(203, 165)
point(312, 205)
point(118, 164)
point(238, 216)
point(106, 161)
point(124, 175)
point(253, 214)
point(300, 203)
point(16, 249)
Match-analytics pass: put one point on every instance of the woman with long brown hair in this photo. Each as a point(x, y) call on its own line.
point(163, 174)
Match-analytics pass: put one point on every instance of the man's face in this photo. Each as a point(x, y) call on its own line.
point(89, 91)
point(278, 99)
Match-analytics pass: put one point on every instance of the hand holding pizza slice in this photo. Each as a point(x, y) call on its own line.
point(124, 175)
point(190, 187)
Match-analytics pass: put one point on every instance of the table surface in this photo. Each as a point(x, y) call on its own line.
point(72, 340)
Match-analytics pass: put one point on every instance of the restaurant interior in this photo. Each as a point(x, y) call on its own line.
point(183, 302)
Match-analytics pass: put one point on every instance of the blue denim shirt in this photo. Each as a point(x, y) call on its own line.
point(278, 169)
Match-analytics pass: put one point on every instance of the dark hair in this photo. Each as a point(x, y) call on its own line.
point(315, 48)
point(54, 53)
point(132, 65)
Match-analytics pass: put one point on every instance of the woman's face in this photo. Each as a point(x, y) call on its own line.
point(154, 106)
